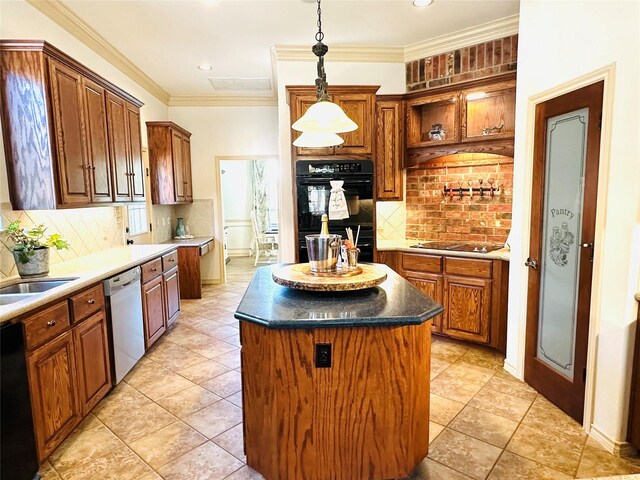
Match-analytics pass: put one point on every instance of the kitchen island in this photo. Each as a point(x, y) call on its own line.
point(335, 385)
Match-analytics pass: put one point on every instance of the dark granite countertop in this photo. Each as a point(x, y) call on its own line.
point(394, 302)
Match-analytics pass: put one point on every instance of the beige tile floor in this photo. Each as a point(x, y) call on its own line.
point(178, 414)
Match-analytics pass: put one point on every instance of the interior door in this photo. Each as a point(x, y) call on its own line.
point(565, 178)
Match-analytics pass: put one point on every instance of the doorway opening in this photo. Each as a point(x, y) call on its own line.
point(250, 215)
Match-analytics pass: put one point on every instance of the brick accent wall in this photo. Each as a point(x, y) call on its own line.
point(432, 216)
point(469, 63)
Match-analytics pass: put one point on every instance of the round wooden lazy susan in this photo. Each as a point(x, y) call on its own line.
point(299, 276)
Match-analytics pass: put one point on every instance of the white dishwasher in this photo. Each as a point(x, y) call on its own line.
point(124, 303)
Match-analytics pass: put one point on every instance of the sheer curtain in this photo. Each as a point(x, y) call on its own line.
point(260, 202)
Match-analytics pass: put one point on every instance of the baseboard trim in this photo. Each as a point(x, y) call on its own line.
point(212, 281)
point(618, 449)
point(511, 369)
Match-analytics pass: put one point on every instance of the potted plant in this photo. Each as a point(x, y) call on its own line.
point(31, 248)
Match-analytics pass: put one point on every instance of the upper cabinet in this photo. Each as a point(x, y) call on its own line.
point(389, 147)
point(357, 101)
point(169, 163)
point(71, 138)
point(475, 117)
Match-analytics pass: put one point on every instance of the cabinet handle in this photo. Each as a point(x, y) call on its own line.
point(51, 323)
point(172, 260)
point(91, 301)
point(154, 269)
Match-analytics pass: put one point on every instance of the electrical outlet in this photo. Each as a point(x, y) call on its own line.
point(323, 355)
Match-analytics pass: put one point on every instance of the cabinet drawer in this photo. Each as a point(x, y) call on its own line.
point(469, 267)
point(204, 249)
point(169, 260)
point(86, 303)
point(422, 263)
point(151, 269)
point(44, 326)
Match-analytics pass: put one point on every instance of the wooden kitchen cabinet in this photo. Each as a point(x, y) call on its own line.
point(357, 101)
point(473, 292)
point(93, 368)
point(169, 163)
point(389, 147)
point(160, 295)
point(154, 312)
point(478, 117)
point(68, 363)
point(71, 138)
point(54, 397)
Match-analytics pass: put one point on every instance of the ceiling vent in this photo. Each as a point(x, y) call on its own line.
point(233, 83)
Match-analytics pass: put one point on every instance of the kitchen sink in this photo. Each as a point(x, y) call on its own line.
point(28, 288)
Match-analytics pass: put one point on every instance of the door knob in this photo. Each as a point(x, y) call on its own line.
point(532, 263)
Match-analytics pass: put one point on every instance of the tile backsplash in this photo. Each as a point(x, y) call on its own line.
point(198, 216)
point(391, 220)
point(432, 216)
point(88, 230)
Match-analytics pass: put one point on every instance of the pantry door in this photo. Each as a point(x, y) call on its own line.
point(563, 215)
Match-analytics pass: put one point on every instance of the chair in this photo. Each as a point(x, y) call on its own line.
point(263, 244)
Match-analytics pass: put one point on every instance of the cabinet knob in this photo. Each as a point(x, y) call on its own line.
point(91, 301)
point(51, 323)
point(154, 269)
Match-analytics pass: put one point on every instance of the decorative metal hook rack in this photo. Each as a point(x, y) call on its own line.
point(470, 191)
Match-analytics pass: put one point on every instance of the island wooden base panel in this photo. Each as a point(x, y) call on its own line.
point(366, 417)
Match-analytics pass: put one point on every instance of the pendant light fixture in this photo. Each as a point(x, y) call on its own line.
point(324, 119)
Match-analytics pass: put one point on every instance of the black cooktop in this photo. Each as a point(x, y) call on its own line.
point(459, 247)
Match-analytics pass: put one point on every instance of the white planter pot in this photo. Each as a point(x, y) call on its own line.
point(37, 266)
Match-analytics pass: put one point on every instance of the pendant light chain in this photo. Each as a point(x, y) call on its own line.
point(319, 35)
point(319, 50)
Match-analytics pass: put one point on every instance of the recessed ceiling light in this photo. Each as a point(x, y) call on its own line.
point(422, 3)
point(205, 66)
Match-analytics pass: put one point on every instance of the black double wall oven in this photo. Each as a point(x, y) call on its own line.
point(313, 191)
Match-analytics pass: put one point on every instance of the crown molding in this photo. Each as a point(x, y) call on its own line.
point(463, 38)
point(223, 101)
point(340, 53)
point(63, 16)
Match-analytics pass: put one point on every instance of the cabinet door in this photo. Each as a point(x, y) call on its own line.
point(426, 112)
point(467, 304)
point(178, 168)
point(389, 150)
point(172, 293)
point(56, 410)
point(186, 168)
point(136, 163)
point(95, 116)
point(118, 148)
point(153, 310)
point(66, 90)
point(300, 104)
point(489, 113)
point(431, 285)
point(91, 347)
point(359, 107)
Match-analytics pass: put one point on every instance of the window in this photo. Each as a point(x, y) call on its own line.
point(138, 223)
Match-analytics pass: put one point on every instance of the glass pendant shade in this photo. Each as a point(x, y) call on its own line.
point(318, 140)
point(326, 117)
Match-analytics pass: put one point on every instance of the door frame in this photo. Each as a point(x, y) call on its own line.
point(519, 302)
point(218, 211)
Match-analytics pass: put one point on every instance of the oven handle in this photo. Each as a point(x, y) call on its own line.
point(325, 181)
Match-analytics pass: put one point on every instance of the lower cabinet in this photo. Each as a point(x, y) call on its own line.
point(68, 363)
point(160, 296)
point(473, 292)
point(153, 310)
point(54, 397)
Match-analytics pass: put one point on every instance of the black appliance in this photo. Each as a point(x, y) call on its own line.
point(313, 191)
point(18, 457)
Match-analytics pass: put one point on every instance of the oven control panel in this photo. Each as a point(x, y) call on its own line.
point(324, 168)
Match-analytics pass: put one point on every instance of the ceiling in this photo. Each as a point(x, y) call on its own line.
point(168, 39)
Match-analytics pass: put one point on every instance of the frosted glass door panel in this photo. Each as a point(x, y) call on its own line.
point(562, 224)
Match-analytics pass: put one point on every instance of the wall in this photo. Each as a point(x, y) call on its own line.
point(104, 224)
point(433, 216)
point(469, 63)
point(390, 76)
point(220, 132)
point(237, 199)
point(572, 39)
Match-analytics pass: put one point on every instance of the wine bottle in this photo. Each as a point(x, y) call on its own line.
point(325, 225)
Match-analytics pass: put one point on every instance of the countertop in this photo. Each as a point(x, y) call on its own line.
point(89, 270)
point(404, 246)
point(189, 242)
point(394, 302)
